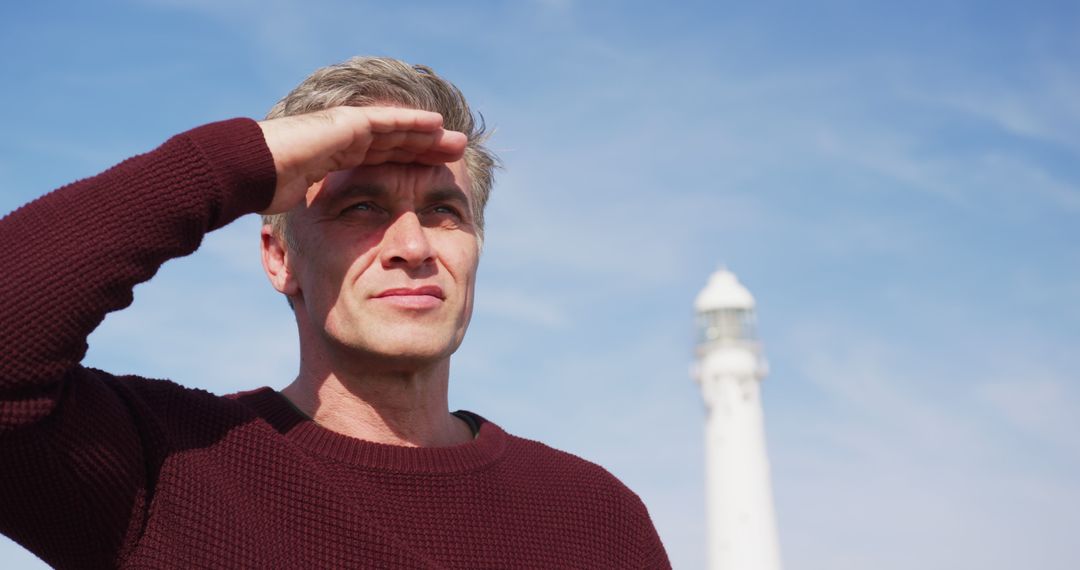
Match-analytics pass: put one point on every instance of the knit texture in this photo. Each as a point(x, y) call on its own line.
point(100, 471)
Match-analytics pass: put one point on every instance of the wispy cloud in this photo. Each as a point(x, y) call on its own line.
point(284, 30)
point(907, 446)
point(1041, 404)
point(1043, 107)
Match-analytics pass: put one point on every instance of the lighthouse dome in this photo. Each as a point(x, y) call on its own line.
point(723, 292)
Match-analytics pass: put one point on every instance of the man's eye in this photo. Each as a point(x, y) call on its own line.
point(447, 210)
point(361, 207)
point(366, 212)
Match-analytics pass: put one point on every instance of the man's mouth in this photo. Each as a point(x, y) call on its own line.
point(425, 291)
point(416, 298)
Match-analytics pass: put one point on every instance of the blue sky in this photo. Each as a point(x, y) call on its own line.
point(897, 183)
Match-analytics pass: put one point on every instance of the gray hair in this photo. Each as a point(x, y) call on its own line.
point(365, 81)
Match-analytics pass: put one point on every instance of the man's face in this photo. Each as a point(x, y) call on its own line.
point(386, 261)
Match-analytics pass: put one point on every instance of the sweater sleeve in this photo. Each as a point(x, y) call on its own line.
point(76, 461)
point(651, 550)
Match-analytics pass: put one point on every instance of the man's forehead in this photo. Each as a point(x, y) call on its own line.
point(392, 178)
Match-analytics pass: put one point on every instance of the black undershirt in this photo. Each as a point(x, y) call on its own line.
point(470, 419)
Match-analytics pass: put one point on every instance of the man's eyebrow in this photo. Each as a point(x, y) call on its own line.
point(447, 194)
point(378, 192)
point(359, 191)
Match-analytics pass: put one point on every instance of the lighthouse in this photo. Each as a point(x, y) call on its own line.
point(742, 531)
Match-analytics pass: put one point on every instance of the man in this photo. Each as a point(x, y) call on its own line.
point(373, 178)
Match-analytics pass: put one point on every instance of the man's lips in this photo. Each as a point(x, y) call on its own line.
point(425, 291)
point(412, 298)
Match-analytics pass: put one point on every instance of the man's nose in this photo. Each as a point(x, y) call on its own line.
point(405, 243)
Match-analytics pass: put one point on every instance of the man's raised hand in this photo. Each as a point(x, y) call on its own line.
point(308, 147)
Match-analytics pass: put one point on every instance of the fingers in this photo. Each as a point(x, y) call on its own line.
point(391, 119)
point(446, 143)
point(398, 132)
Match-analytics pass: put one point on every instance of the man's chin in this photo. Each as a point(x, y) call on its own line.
point(402, 356)
point(405, 359)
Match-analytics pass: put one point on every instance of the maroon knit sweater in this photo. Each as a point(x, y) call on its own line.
point(101, 471)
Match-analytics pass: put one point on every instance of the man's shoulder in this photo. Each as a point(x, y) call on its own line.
point(164, 395)
point(548, 466)
point(560, 490)
point(180, 411)
point(542, 454)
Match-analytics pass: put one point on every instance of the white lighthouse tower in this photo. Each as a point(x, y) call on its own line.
point(741, 521)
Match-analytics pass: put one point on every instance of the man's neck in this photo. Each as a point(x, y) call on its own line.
point(407, 408)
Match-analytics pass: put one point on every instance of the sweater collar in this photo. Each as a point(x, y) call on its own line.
point(487, 447)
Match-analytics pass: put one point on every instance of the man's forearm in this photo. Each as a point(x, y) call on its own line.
point(75, 254)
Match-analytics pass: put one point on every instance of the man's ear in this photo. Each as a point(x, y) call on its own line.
point(275, 260)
